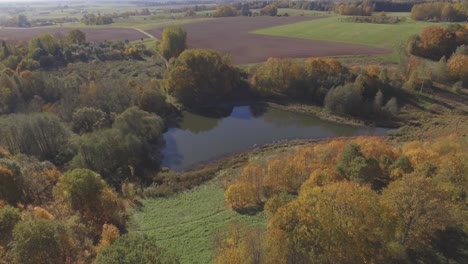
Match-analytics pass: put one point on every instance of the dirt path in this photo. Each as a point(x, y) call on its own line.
point(144, 32)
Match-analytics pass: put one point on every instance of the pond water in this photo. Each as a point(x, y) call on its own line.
point(200, 138)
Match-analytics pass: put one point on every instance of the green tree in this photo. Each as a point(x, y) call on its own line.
point(173, 43)
point(199, 77)
point(41, 135)
point(135, 248)
point(11, 184)
point(354, 166)
point(88, 119)
point(37, 242)
point(9, 217)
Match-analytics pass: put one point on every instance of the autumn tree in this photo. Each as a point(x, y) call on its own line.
point(109, 235)
point(458, 68)
point(225, 10)
point(269, 10)
point(86, 192)
point(199, 77)
point(174, 42)
point(337, 223)
point(76, 36)
point(278, 77)
point(238, 243)
point(419, 208)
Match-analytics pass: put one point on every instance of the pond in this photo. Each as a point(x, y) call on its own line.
point(200, 138)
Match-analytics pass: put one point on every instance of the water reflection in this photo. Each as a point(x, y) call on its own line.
point(200, 138)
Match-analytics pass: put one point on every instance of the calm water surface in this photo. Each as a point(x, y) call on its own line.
point(200, 138)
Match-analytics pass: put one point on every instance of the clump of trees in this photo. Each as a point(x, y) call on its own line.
point(135, 248)
point(55, 218)
point(225, 10)
point(47, 52)
point(269, 10)
point(200, 77)
point(377, 19)
point(448, 46)
point(354, 9)
point(92, 19)
point(174, 41)
point(17, 21)
point(347, 201)
point(328, 83)
point(440, 11)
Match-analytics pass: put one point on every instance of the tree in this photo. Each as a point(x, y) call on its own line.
point(238, 243)
point(278, 77)
point(22, 21)
point(11, 184)
point(76, 36)
point(354, 166)
point(87, 193)
point(419, 207)
point(337, 223)
point(458, 68)
point(88, 119)
point(135, 248)
point(174, 42)
point(199, 77)
point(109, 235)
point(37, 242)
point(41, 135)
point(269, 10)
point(225, 11)
point(9, 217)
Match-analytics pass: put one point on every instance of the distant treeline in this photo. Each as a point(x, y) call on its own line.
point(386, 6)
point(438, 11)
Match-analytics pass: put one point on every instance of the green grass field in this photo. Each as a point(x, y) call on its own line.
point(185, 223)
point(334, 29)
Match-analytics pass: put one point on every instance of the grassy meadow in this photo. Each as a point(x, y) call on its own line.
point(186, 223)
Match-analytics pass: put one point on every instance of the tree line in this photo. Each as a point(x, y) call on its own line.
point(47, 51)
point(348, 201)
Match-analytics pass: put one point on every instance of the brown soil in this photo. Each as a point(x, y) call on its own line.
point(232, 36)
point(20, 35)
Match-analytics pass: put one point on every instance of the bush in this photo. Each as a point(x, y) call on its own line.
point(135, 248)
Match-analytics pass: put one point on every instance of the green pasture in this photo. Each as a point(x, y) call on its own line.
point(186, 223)
point(334, 28)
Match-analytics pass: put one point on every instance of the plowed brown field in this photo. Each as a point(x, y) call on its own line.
point(232, 36)
point(92, 34)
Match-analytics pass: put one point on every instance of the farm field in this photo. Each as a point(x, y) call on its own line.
point(232, 36)
point(92, 34)
point(334, 29)
point(185, 223)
